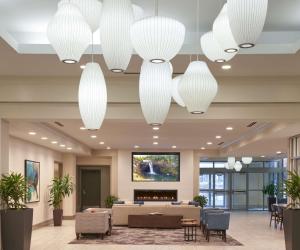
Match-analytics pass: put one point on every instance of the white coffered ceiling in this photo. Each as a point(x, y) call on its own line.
point(23, 24)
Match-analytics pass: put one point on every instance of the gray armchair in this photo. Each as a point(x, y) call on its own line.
point(218, 222)
point(203, 216)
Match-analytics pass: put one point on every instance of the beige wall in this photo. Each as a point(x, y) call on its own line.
point(185, 187)
point(19, 151)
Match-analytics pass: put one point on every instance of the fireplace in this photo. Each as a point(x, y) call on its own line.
point(155, 195)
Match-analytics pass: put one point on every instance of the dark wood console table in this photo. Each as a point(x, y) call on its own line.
point(155, 221)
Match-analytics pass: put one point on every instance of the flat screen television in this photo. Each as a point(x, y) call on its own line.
point(155, 167)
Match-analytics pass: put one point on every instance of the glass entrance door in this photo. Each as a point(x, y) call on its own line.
point(238, 193)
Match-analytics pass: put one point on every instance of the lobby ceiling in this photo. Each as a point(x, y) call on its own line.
point(263, 138)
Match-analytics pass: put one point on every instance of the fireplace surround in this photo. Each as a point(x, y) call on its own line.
point(155, 195)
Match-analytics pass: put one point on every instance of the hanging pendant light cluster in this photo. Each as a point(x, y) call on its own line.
point(157, 39)
point(237, 165)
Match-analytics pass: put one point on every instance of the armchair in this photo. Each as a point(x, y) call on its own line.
point(92, 223)
point(218, 222)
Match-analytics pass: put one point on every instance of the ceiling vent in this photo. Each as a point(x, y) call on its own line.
point(219, 144)
point(59, 124)
point(251, 124)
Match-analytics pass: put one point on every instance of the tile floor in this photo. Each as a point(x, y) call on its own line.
point(250, 228)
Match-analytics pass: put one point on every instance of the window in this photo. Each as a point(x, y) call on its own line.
point(229, 189)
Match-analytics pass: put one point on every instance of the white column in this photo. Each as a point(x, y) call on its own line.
point(69, 167)
point(4, 146)
point(196, 173)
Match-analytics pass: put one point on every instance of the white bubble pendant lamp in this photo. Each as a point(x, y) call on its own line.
point(92, 96)
point(198, 87)
point(247, 19)
point(155, 91)
point(222, 32)
point(157, 39)
point(212, 49)
point(69, 33)
point(175, 94)
point(247, 160)
point(238, 166)
point(231, 162)
point(91, 11)
point(116, 20)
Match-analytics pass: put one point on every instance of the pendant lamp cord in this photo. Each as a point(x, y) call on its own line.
point(197, 27)
point(156, 7)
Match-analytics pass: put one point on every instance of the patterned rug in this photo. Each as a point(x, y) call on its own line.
point(140, 236)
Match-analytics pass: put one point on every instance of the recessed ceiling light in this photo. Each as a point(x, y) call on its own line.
point(226, 67)
point(218, 137)
point(174, 146)
point(32, 133)
point(69, 148)
point(155, 136)
point(229, 128)
point(108, 148)
point(278, 152)
point(54, 142)
point(155, 128)
point(262, 156)
point(93, 136)
point(102, 142)
point(62, 145)
point(82, 128)
point(155, 143)
point(82, 66)
point(44, 138)
point(209, 143)
point(202, 148)
point(136, 146)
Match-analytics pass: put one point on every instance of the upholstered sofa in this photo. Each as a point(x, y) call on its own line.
point(92, 223)
point(120, 212)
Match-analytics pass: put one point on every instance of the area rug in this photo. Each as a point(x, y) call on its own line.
point(140, 236)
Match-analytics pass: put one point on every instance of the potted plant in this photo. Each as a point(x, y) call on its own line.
point(110, 201)
point(16, 218)
point(59, 189)
point(202, 200)
point(271, 191)
point(291, 215)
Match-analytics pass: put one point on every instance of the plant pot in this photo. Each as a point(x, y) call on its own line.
point(16, 228)
point(271, 201)
point(291, 222)
point(57, 217)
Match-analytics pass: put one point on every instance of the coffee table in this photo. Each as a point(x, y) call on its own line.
point(155, 221)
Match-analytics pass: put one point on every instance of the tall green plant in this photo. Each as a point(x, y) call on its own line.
point(270, 190)
point(60, 188)
point(292, 188)
point(13, 191)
